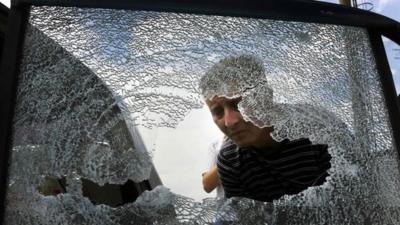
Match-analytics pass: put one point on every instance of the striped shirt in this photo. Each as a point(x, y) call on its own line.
point(292, 168)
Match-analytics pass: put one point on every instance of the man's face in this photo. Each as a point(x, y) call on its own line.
point(230, 121)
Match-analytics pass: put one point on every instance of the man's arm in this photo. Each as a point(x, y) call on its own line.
point(210, 179)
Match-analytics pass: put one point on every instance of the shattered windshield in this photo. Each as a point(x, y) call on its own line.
point(120, 115)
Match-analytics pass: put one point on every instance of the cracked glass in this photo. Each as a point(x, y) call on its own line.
point(110, 102)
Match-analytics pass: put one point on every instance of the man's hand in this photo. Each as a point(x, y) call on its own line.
point(210, 179)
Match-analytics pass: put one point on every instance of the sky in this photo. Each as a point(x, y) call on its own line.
point(182, 172)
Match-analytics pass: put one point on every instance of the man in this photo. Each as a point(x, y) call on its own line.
point(251, 163)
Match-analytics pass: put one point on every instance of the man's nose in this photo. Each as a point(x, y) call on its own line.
point(232, 117)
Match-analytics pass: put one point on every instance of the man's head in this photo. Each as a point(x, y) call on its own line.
point(223, 87)
point(233, 76)
point(230, 121)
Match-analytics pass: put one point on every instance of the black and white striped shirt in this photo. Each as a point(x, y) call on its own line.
point(294, 167)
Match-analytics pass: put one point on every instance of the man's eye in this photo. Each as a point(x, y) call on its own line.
point(234, 105)
point(218, 112)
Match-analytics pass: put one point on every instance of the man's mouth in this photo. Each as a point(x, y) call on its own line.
point(236, 133)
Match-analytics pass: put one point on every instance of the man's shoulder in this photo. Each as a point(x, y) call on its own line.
point(303, 143)
point(296, 143)
point(304, 148)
